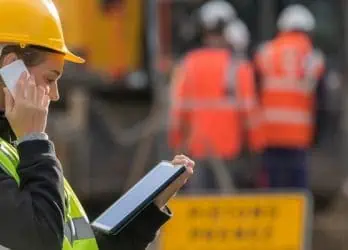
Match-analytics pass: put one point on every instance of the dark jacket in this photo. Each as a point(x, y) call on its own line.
point(31, 216)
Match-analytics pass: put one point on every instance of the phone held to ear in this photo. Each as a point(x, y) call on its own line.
point(11, 73)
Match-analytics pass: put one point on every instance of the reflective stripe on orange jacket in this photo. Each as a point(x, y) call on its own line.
point(211, 93)
point(290, 68)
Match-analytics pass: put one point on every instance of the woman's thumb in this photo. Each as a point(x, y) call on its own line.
point(9, 102)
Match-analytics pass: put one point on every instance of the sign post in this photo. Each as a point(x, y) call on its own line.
point(261, 221)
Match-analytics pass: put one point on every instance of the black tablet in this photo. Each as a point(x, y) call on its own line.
point(142, 194)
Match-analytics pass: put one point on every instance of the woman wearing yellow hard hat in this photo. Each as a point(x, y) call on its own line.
point(38, 208)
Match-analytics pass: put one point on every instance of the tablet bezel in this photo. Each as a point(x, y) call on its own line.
point(136, 211)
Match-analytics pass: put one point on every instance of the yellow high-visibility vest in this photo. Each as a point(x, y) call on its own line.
point(78, 234)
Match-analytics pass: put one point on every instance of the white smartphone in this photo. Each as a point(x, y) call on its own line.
point(11, 73)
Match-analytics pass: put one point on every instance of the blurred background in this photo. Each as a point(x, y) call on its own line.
point(113, 121)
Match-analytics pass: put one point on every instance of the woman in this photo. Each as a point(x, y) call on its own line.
point(38, 209)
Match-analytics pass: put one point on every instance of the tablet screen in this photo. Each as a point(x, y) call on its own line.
point(138, 197)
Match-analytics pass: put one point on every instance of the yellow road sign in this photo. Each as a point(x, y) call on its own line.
point(263, 221)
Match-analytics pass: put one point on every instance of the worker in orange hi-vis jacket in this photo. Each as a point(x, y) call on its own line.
point(289, 71)
point(211, 91)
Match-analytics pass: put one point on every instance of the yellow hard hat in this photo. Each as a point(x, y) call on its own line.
point(33, 22)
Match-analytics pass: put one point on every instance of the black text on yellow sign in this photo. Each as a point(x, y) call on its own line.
point(242, 222)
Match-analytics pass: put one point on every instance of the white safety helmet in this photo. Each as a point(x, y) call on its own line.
point(296, 17)
point(214, 11)
point(237, 35)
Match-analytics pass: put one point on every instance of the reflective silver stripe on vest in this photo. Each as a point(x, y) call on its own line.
point(8, 154)
point(225, 103)
point(206, 104)
point(78, 229)
point(289, 82)
point(289, 85)
point(247, 104)
point(278, 115)
point(231, 80)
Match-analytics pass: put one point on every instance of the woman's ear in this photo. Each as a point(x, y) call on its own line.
point(8, 59)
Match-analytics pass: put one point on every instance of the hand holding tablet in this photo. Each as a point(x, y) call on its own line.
point(172, 189)
point(158, 186)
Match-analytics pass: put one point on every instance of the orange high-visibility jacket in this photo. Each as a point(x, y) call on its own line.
point(289, 69)
point(211, 95)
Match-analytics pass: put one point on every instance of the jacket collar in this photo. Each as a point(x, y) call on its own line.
point(6, 132)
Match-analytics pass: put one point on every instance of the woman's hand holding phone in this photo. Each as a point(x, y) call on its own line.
point(27, 110)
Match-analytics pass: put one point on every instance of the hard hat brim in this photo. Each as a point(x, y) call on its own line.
point(69, 56)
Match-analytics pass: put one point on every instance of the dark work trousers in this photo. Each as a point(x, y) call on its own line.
point(285, 168)
point(221, 175)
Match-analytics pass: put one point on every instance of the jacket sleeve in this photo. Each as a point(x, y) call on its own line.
point(32, 214)
point(138, 234)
